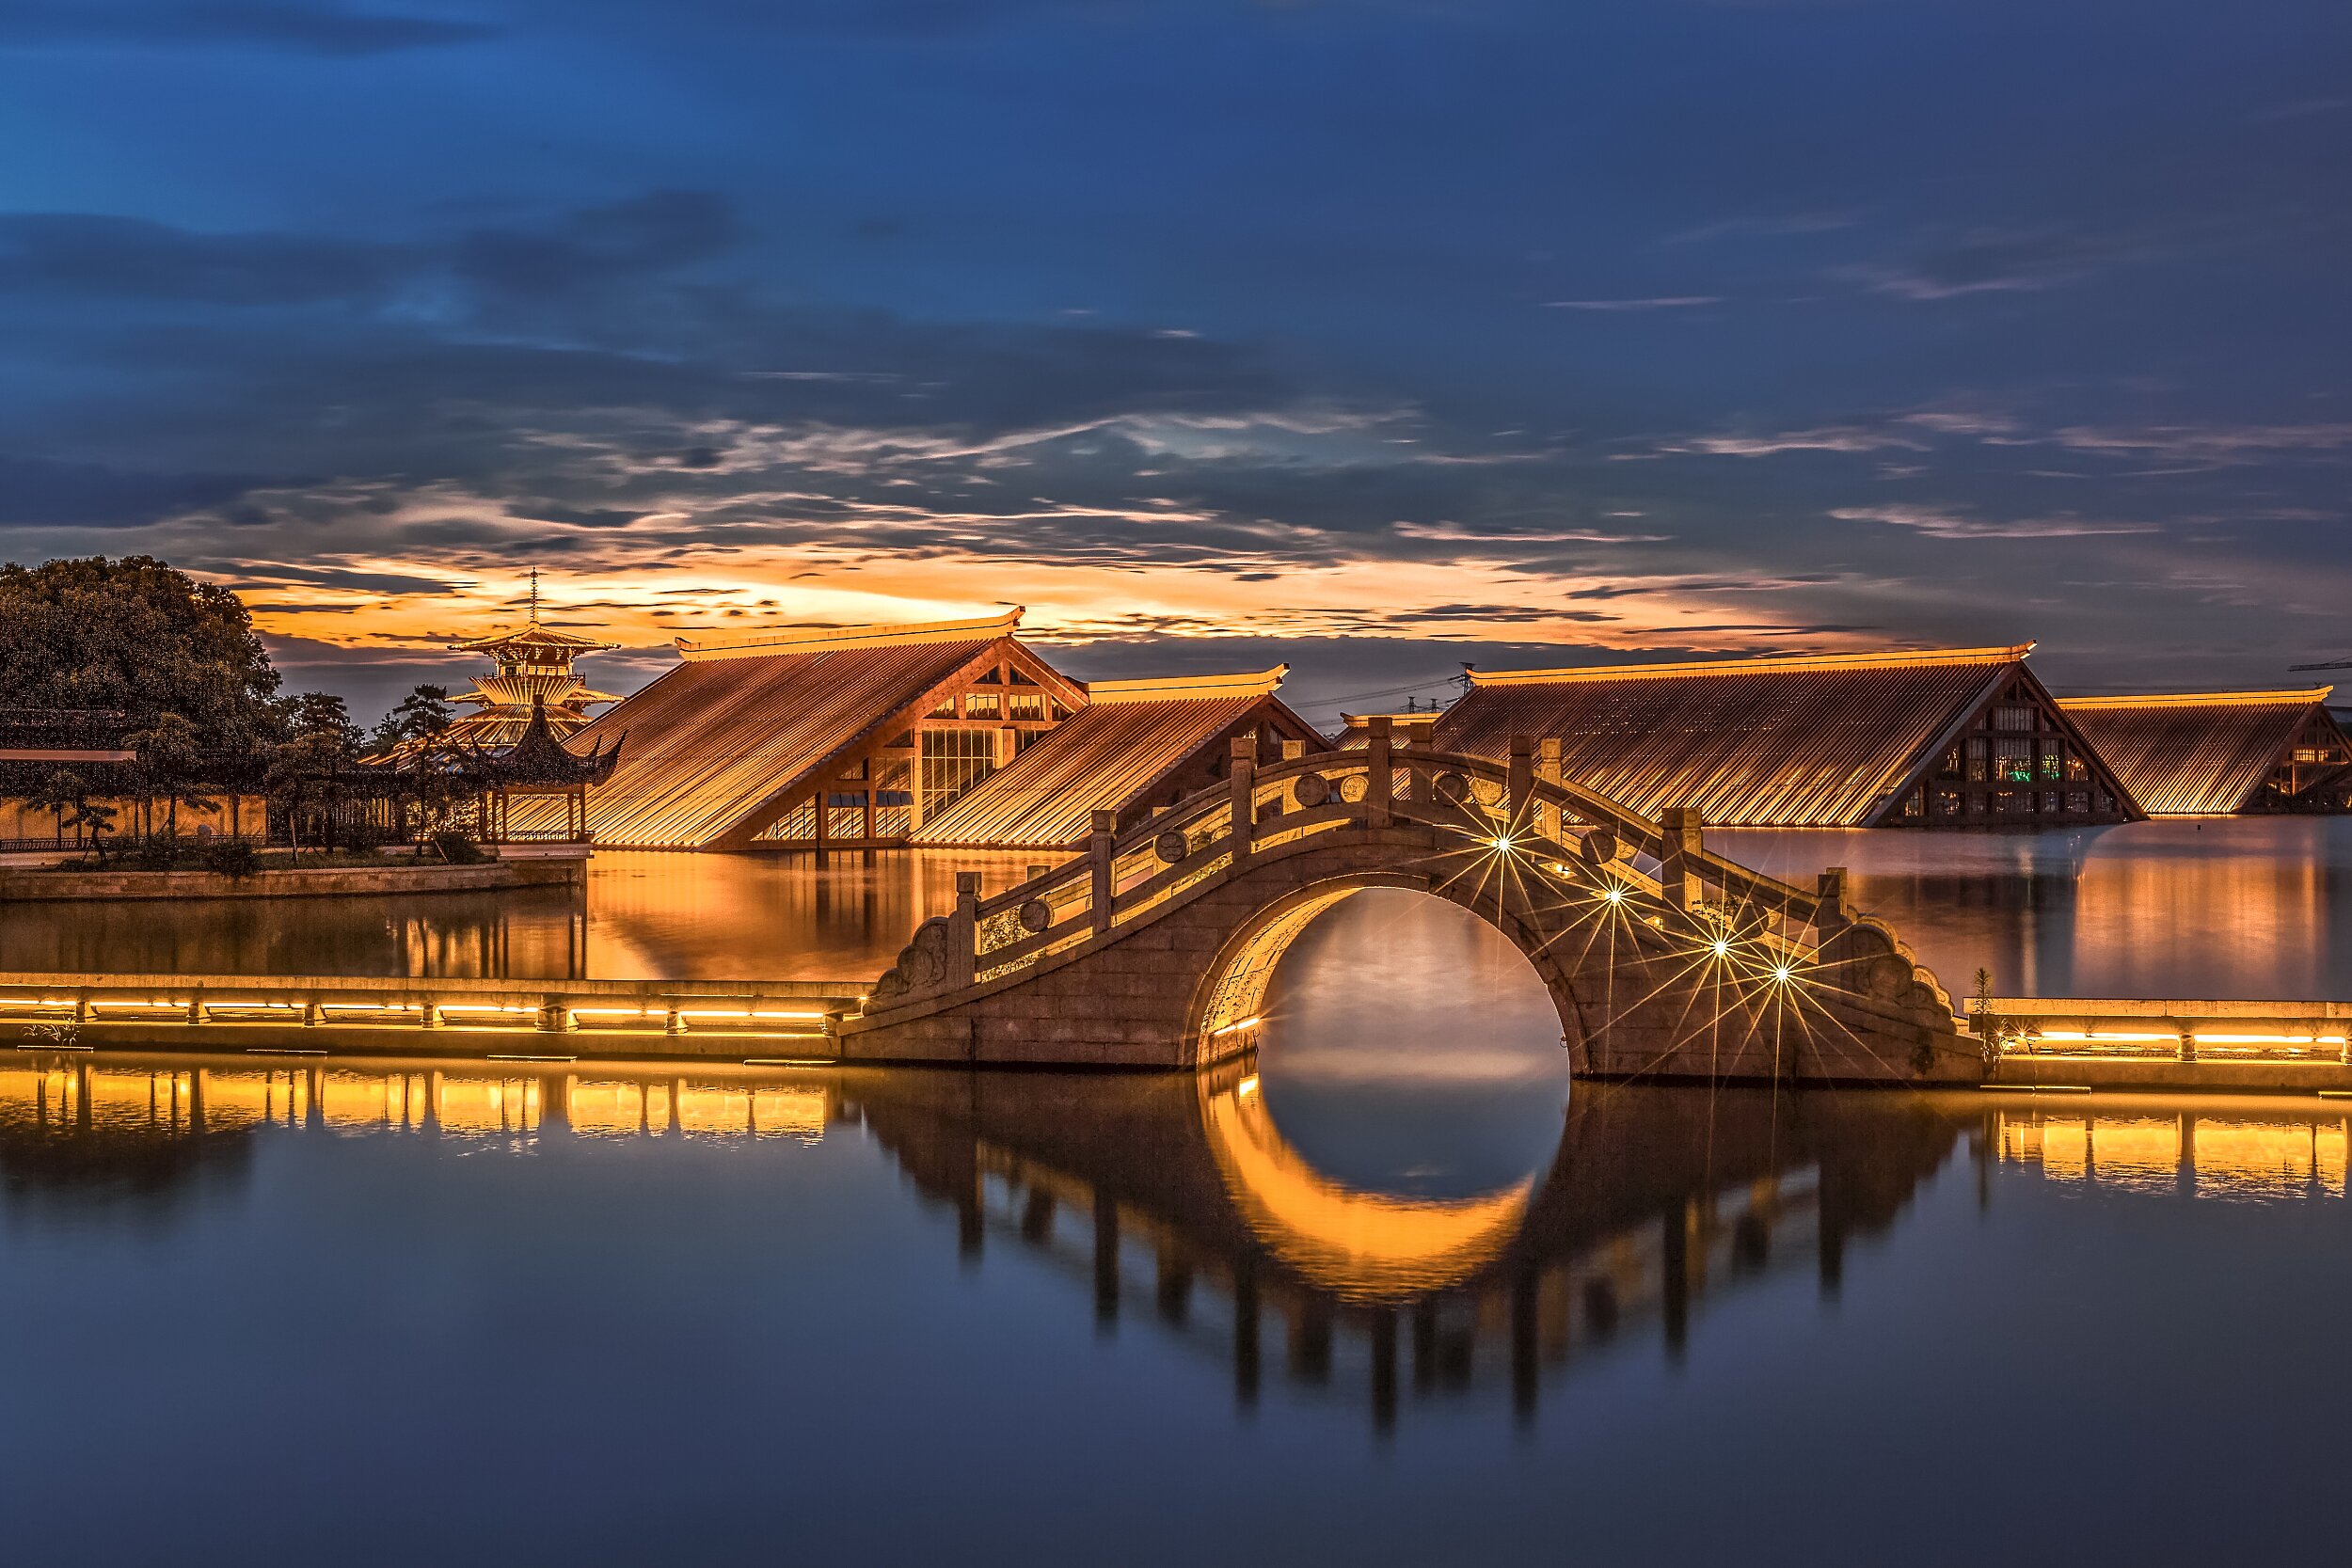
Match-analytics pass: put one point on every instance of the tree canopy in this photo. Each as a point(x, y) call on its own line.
point(139, 635)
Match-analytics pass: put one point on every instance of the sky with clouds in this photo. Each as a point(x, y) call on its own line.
point(1378, 335)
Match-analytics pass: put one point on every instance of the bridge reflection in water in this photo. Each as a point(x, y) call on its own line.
point(1177, 1204)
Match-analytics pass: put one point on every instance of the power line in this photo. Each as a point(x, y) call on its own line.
point(1365, 696)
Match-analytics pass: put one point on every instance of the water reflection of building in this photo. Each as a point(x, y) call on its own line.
point(535, 932)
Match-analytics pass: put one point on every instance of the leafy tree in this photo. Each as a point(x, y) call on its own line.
point(322, 714)
point(312, 768)
point(60, 794)
point(423, 715)
point(96, 819)
point(167, 755)
point(306, 773)
point(137, 636)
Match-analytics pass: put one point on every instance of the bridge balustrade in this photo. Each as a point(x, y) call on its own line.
point(1521, 809)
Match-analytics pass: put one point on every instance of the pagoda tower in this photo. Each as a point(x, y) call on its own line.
point(531, 673)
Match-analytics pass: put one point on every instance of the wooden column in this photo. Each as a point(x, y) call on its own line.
point(914, 782)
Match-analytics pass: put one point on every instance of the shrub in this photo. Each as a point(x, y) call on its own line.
point(458, 850)
point(229, 856)
point(154, 854)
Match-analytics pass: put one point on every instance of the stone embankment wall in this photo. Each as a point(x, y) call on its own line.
point(29, 885)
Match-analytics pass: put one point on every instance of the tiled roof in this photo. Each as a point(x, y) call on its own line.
point(1819, 740)
point(720, 736)
point(2203, 754)
point(1129, 737)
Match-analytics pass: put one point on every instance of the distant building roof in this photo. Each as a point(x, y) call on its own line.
point(719, 744)
point(1811, 740)
point(1130, 737)
point(2199, 753)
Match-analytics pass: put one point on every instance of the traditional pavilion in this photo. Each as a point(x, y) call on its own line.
point(2221, 753)
point(531, 675)
point(1943, 739)
point(1135, 747)
point(511, 745)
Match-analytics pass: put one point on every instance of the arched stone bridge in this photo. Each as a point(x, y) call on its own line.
point(1154, 948)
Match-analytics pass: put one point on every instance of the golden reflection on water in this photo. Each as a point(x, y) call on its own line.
point(2238, 907)
point(347, 1098)
point(2240, 1155)
point(1356, 1243)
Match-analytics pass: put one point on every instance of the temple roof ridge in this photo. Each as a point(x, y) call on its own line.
point(1176, 688)
point(2300, 696)
point(1766, 664)
point(815, 640)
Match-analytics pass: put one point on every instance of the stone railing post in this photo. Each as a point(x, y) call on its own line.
point(1519, 789)
point(1679, 856)
point(964, 931)
point(1548, 771)
point(1244, 782)
point(1379, 771)
point(1831, 912)
point(1100, 843)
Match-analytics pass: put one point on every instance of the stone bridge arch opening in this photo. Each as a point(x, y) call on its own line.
point(1233, 1007)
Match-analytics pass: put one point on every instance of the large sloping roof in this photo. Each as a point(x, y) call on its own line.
point(737, 724)
point(1820, 740)
point(2201, 754)
point(1129, 737)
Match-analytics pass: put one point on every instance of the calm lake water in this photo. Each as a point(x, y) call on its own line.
point(2255, 907)
point(1400, 1294)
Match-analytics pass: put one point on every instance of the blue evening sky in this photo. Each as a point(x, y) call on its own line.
point(1376, 334)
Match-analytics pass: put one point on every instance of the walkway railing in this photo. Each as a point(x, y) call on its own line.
point(1522, 805)
point(62, 1006)
point(2089, 1029)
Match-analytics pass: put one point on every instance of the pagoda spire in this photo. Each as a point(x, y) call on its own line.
point(530, 679)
